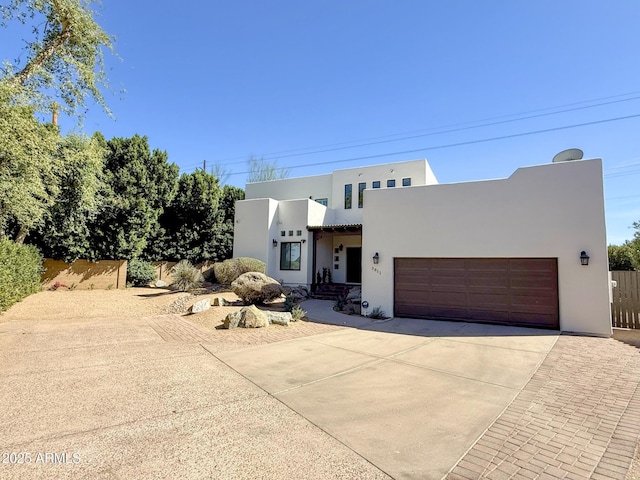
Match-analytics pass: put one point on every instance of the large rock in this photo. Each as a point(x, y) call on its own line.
point(253, 318)
point(161, 283)
point(279, 318)
point(200, 306)
point(232, 320)
point(220, 302)
point(254, 287)
point(246, 317)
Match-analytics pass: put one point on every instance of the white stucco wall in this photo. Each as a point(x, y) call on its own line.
point(553, 210)
point(317, 186)
point(254, 228)
point(418, 171)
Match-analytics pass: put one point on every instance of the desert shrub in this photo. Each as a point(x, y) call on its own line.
point(185, 276)
point(20, 270)
point(229, 270)
point(140, 273)
point(340, 302)
point(289, 303)
point(377, 312)
point(256, 288)
point(297, 313)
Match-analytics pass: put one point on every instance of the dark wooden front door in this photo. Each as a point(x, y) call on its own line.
point(354, 264)
point(512, 291)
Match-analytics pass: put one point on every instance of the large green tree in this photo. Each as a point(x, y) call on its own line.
point(140, 184)
point(65, 233)
point(61, 64)
point(627, 255)
point(29, 168)
point(64, 60)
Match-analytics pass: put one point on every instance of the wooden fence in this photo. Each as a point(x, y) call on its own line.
point(625, 309)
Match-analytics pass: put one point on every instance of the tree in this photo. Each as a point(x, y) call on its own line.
point(140, 184)
point(261, 170)
point(28, 166)
point(64, 62)
point(66, 231)
point(620, 257)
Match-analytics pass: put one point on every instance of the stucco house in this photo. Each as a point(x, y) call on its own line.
point(501, 251)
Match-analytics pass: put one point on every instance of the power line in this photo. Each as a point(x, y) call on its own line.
point(459, 144)
point(459, 127)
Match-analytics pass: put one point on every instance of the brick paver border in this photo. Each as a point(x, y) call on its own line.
point(578, 417)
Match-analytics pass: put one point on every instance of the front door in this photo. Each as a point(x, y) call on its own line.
point(354, 264)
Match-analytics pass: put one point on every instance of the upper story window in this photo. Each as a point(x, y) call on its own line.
point(376, 184)
point(298, 233)
point(282, 233)
point(347, 195)
point(291, 233)
point(406, 182)
point(361, 187)
point(322, 201)
point(290, 256)
point(391, 183)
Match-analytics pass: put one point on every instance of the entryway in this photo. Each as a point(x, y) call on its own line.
point(354, 264)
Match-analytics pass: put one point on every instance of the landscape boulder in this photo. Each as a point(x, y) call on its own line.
point(220, 302)
point(279, 318)
point(246, 317)
point(161, 283)
point(254, 287)
point(200, 306)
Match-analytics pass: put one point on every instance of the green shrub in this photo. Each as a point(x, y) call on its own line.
point(289, 303)
point(20, 270)
point(297, 313)
point(229, 270)
point(376, 313)
point(186, 277)
point(140, 273)
point(340, 302)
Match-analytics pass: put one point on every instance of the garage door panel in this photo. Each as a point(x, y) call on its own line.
point(521, 291)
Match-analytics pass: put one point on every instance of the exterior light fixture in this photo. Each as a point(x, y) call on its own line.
point(341, 247)
point(275, 242)
point(376, 258)
point(303, 241)
point(584, 258)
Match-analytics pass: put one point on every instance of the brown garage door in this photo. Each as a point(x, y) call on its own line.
point(513, 291)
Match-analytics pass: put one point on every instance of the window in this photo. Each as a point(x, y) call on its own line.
point(322, 201)
point(291, 233)
point(290, 256)
point(347, 196)
point(361, 187)
point(298, 233)
point(406, 182)
point(391, 183)
point(282, 233)
point(376, 184)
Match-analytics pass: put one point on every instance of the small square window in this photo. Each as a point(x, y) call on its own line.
point(406, 182)
point(391, 183)
point(376, 184)
point(336, 250)
point(291, 233)
point(282, 233)
point(299, 233)
point(336, 259)
point(336, 267)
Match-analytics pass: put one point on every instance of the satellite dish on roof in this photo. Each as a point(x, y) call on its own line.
point(568, 155)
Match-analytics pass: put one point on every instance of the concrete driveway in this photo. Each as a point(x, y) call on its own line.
point(160, 398)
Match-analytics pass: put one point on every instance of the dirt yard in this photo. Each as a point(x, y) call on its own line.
point(61, 304)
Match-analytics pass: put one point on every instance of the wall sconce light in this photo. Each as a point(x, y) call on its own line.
point(376, 258)
point(275, 242)
point(341, 247)
point(303, 241)
point(584, 258)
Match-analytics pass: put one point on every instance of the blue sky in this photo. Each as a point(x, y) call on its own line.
point(322, 85)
